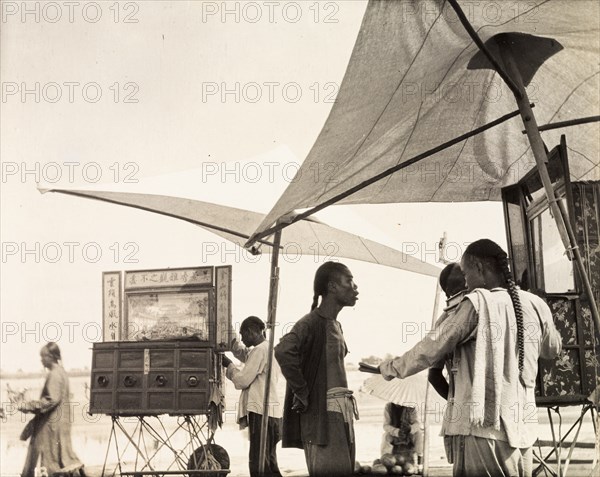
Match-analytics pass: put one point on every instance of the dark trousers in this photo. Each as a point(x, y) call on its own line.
point(273, 436)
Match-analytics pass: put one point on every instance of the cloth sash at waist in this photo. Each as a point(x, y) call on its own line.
point(342, 400)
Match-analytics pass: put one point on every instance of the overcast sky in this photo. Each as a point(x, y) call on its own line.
point(219, 102)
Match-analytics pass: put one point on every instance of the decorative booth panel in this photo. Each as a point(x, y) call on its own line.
point(561, 378)
point(540, 266)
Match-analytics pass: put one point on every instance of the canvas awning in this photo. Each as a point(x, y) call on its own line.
point(306, 237)
point(416, 79)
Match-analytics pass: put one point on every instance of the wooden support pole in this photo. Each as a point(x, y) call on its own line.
point(436, 307)
point(566, 124)
point(272, 313)
point(513, 85)
point(567, 234)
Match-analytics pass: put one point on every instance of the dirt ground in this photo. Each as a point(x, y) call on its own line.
point(91, 434)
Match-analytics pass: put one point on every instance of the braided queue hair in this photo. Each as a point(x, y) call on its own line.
point(325, 273)
point(491, 253)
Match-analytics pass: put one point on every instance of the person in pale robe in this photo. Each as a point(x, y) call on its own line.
point(50, 429)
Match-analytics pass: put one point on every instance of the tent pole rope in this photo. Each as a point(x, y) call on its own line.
point(475, 37)
point(271, 314)
point(382, 175)
point(539, 152)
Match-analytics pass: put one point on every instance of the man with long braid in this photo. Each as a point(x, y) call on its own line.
point(319, 408)
point(497, 334)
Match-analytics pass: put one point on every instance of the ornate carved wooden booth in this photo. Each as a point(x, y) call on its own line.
point(541, 266)
point(163, 331)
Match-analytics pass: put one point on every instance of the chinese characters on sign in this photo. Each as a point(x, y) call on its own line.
point(111, 306)
point(173, 303)
point(169, 278)
point(223, 285)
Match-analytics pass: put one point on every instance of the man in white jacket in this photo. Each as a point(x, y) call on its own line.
point(250, 378)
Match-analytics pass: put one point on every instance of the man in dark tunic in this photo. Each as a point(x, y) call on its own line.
point(319, 408)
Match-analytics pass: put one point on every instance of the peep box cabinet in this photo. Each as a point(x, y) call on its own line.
point(152, 378)
point(163, 331)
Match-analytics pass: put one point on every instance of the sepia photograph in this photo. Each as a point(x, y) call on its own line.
point(299, 238)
